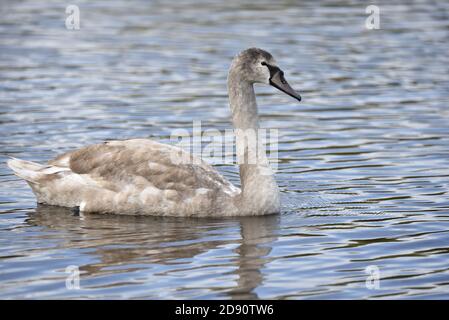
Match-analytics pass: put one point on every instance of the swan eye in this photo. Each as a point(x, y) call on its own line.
point(263, 63)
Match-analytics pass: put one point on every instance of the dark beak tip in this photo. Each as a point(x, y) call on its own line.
point(278, 81)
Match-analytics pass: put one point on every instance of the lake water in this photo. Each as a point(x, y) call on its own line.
point(364, 158)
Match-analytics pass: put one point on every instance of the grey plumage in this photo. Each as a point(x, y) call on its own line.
point(139, 176)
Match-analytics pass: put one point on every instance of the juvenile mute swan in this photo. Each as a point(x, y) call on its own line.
point(141, 177)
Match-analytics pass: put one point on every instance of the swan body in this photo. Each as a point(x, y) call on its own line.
point(143, 177)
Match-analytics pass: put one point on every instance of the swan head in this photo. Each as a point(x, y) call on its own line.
point(255, 65)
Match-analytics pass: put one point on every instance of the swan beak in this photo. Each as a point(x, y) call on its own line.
point(278, 81)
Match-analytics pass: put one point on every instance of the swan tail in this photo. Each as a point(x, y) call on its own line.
point(45, 181)
point(30, 171)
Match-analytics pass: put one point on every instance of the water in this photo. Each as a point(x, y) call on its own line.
point(363, 159)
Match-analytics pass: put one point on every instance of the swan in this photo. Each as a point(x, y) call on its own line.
point(141, 176)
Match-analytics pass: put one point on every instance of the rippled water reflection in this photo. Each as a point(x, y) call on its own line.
point(363, 159)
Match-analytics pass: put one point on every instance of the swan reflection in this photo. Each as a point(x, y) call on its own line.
point(122, 244)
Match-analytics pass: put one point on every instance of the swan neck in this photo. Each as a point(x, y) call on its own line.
point(259, 189)
point(243, 103)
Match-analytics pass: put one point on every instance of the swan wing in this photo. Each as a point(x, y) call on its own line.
point(138, 176)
